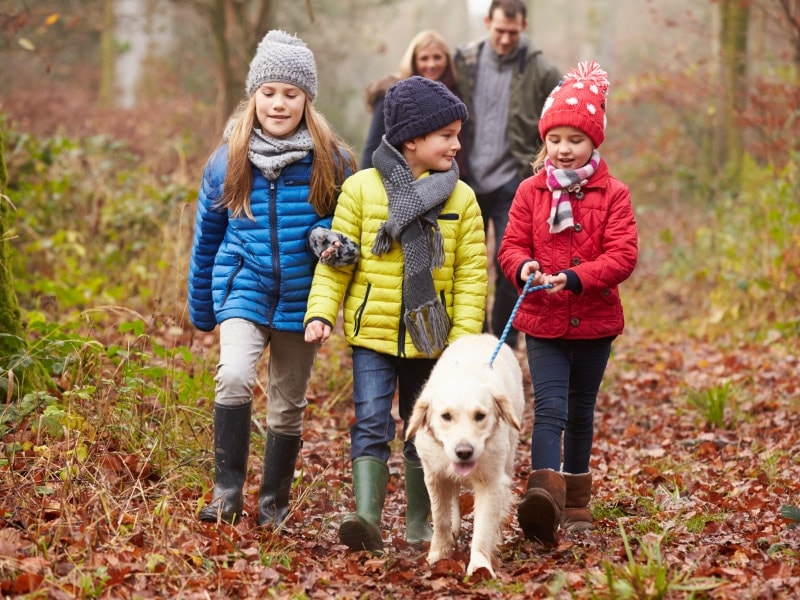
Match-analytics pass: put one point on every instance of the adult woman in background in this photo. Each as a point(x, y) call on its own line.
point(427, 55)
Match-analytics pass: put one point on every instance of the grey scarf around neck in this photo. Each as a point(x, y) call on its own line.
point(270, 154)
point(414, 207)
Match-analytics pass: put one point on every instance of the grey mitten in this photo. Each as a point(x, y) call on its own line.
point(321, 239)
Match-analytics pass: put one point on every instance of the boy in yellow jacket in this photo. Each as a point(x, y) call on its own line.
point(419, 282)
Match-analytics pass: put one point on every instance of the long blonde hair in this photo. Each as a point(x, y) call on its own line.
point(332, 158)
point(538, 162)
point(426, 37)
point(408, 66)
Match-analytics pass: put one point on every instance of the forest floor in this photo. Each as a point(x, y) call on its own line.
point(698, 506)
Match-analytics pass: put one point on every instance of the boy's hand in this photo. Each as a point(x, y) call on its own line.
point(329, 252)
point(317, 331)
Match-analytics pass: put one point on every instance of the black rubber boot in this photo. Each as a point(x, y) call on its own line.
point(361, 530)
point(280, 456)
point(418, 505)
point(231, 448)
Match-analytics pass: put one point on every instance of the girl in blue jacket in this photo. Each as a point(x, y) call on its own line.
point(275, 178)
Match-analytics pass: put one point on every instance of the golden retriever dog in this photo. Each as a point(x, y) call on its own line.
point(466, 424)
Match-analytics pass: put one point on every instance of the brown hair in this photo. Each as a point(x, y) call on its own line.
point(510, 8)
point(332, 157)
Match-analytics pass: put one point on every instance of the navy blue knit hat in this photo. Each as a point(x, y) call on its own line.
point(416, 106)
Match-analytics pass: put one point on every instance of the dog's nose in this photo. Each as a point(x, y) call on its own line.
point(464, 451)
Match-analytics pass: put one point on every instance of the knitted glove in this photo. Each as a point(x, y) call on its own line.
point(321, 239)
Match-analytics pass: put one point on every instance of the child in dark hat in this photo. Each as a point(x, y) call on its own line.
point(273, 180)
point(419, 283)
point(570, 225)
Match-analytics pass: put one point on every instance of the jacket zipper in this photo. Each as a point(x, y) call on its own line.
point(276, 263)
point(360, 310)
point(401, 328)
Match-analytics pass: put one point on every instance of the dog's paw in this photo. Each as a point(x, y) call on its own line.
point(437, 552)
point(478, 561)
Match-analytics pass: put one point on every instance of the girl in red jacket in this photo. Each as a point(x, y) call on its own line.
point(570, 225)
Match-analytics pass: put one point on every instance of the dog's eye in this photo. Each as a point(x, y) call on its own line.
point(447, 416)
point(480, 417)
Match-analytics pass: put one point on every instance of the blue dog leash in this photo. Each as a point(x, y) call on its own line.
point(525, 291)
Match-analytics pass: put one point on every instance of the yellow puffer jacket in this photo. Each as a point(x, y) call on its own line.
point(372, 288)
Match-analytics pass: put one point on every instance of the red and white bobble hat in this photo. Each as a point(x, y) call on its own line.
point(579, 100)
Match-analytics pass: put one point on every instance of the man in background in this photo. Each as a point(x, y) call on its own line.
point(504, 80)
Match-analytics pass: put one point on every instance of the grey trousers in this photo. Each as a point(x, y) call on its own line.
point(291, 358)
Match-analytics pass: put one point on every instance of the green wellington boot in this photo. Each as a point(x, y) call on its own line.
point(361, 530)
point(418, 505)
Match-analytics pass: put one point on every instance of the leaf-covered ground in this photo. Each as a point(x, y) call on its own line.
point(680, 505)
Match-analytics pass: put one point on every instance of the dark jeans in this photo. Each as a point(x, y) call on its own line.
point(376, 376)
point(494, 207)
point(566, 376)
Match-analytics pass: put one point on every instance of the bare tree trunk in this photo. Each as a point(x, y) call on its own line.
point(108, 56)
point(734, 20)
point(236, 29)
point(791, 12)
point(225, 77)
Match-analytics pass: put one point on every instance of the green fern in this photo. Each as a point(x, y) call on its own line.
point(791, 512)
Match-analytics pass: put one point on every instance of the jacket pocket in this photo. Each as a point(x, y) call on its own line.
point(231, 278)
point(298, 173)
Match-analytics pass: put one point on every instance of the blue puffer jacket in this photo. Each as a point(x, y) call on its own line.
point(261, 269)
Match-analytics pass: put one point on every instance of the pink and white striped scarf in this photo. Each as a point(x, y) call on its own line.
point(562, 183)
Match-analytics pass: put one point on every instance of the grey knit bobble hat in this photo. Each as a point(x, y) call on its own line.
point(417, 106)
point(283, 58)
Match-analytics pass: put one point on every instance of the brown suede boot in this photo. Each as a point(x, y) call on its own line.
point(577, 516)
point(540, 509)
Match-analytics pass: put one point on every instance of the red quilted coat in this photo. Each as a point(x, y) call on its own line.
point(601, 250)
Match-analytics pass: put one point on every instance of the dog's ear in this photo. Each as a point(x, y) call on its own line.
point(419, 417)
point(505, 411)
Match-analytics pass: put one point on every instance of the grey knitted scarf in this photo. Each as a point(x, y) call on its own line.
point(270, 154)
point(414, 207)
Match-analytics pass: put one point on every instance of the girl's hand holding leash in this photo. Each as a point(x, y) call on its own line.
point(528, 269)
point(558, 281)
